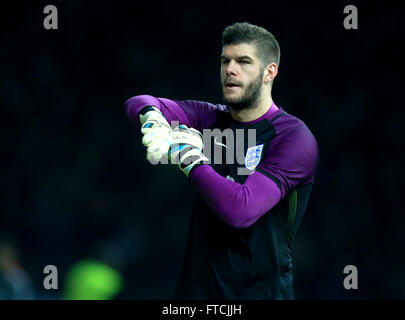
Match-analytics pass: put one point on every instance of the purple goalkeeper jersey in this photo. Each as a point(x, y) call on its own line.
point(248, 208)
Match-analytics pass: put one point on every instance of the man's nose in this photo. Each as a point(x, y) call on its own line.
point(231, 68)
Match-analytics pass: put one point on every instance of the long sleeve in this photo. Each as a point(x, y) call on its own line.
point(239, 205)
point(196, 114)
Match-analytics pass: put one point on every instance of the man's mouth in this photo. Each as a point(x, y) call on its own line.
point(231, 85)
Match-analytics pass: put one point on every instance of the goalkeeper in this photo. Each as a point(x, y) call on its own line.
point(243, 225)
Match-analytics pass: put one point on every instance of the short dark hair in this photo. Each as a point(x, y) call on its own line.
point(267, 48)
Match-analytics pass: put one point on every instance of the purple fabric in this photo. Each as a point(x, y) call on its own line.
point(292, 156)
point(239, 205)
point(195, 114)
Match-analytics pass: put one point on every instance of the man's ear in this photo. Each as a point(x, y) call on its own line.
point(270, 72)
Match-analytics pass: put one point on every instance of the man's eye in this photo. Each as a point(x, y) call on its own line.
point(245, 62)
point(224, 61)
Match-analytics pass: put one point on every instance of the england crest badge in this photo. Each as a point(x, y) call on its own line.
point(253, 156)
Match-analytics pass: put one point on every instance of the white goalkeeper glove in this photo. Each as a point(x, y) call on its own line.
point(186, 148)
point(156, 133)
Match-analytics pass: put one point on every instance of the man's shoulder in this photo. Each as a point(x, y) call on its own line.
point(292, 136)
point(288, 124)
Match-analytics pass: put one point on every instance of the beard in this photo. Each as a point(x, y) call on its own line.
point(250, 98)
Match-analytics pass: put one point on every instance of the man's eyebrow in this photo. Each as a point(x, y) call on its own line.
point(238, 58)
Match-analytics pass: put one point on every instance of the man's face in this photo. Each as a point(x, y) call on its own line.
point(241, 76)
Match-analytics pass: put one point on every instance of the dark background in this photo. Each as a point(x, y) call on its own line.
point(74, 179)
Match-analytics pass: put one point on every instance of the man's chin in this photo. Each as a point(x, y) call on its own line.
point(231, 98)
point(236, 104)
point(231, 101)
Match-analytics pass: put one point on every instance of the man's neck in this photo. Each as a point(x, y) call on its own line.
point(250, 114)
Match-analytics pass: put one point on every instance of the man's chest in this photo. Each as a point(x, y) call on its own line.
point(236, 150)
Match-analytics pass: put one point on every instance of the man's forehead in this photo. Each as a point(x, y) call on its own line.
point(239, 50)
